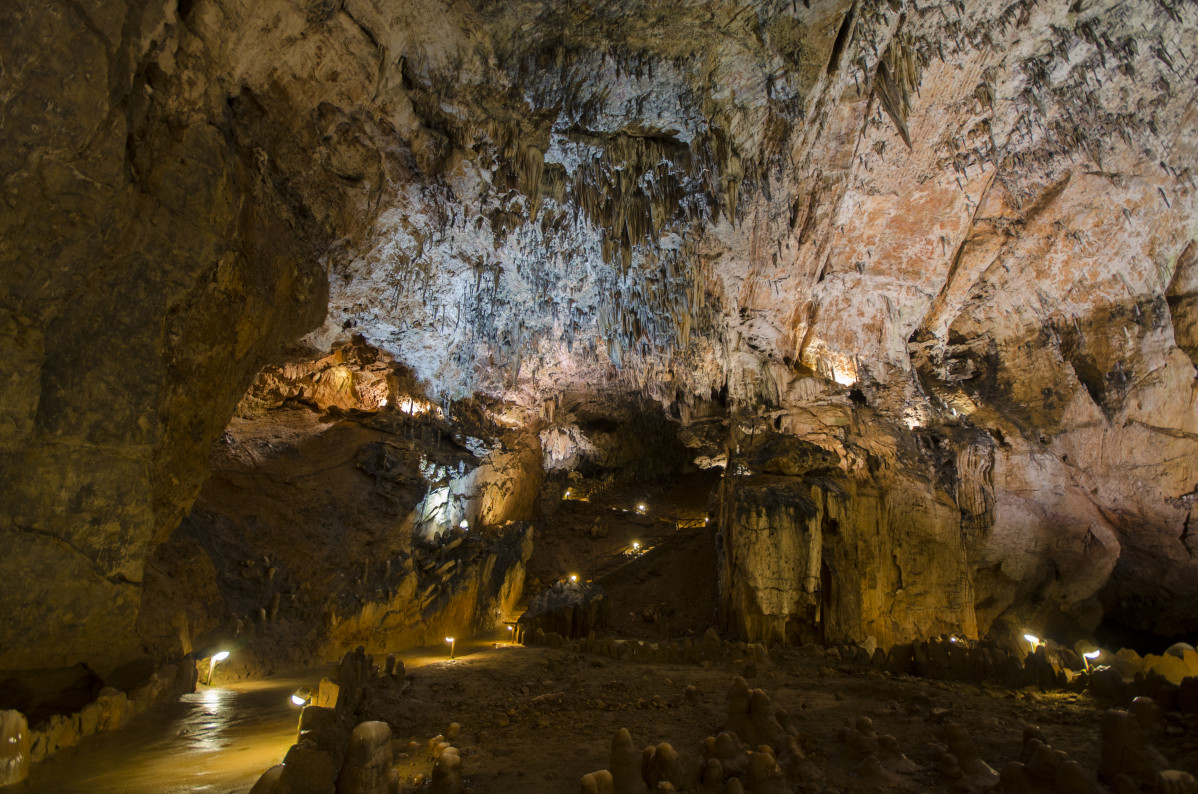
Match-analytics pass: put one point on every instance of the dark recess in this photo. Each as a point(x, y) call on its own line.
point(842, 40)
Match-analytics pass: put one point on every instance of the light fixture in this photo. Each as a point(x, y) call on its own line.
point(1033, 639)
point(301, 696)
point(464, 524)
point(383, 403)
point(1094, 654)
point(216, 657)
point(636, 546)
point(573, 577)
point(641, 508)
point(450, 640)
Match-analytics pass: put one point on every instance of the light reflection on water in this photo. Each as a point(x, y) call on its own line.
point(217, 741)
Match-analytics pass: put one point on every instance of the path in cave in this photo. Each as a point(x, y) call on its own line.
point(217, 741)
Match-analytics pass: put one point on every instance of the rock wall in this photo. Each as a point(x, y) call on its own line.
point(809, 555)
point(150, 264)
point(332, 519)
point(960, 215)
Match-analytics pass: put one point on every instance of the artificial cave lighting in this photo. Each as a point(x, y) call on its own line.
point(413, 407)
point(1033, 640)
point(216, 659)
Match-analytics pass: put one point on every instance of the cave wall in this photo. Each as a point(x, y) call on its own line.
point(150, 265)
point(808, 554)
point(884, 224)
point(332, 518)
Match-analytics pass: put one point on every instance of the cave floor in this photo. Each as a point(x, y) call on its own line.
point(536, 719)
point(217, 740)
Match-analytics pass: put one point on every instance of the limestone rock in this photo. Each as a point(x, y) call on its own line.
point(14, 748)
point(367, 760)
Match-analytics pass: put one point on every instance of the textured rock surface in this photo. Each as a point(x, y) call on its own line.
point(951, 238)
point(151, 263)
point(820, 558)
point(14, 738)
point(332, 519)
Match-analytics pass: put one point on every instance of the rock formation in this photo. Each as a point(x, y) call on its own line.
point(951, 244)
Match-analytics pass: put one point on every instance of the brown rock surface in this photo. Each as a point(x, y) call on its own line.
point(953, 243)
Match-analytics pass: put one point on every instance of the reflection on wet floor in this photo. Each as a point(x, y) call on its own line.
point(217, 741)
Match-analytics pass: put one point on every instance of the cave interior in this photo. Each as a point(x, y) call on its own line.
point(625, 396)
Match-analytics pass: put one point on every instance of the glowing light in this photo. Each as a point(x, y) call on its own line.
point(218, 657)
point(573, 577)
point(952, 639)
point(414, 407)
point(1094, 654)
point(383, 403)
point(509, 628)
point(1032, 638)
point(641, 508)
point(301, 696)
point(635, 546)
point(464, 524)
point(450, 640)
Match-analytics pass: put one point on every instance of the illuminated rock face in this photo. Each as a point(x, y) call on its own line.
point(807, 555)
point(954, 243)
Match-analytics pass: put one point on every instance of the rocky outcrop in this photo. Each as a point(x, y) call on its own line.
point(14, 738)
point(568, 608)
point(345, 509)
point(813, 556)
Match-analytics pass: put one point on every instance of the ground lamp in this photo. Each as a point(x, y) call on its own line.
point(301, 696)
point(1033, 639)
point(216, 657)
point(451, 644)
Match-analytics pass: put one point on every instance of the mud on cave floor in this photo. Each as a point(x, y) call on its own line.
point(536, 720)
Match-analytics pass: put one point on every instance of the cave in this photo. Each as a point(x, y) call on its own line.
point(613, 396)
